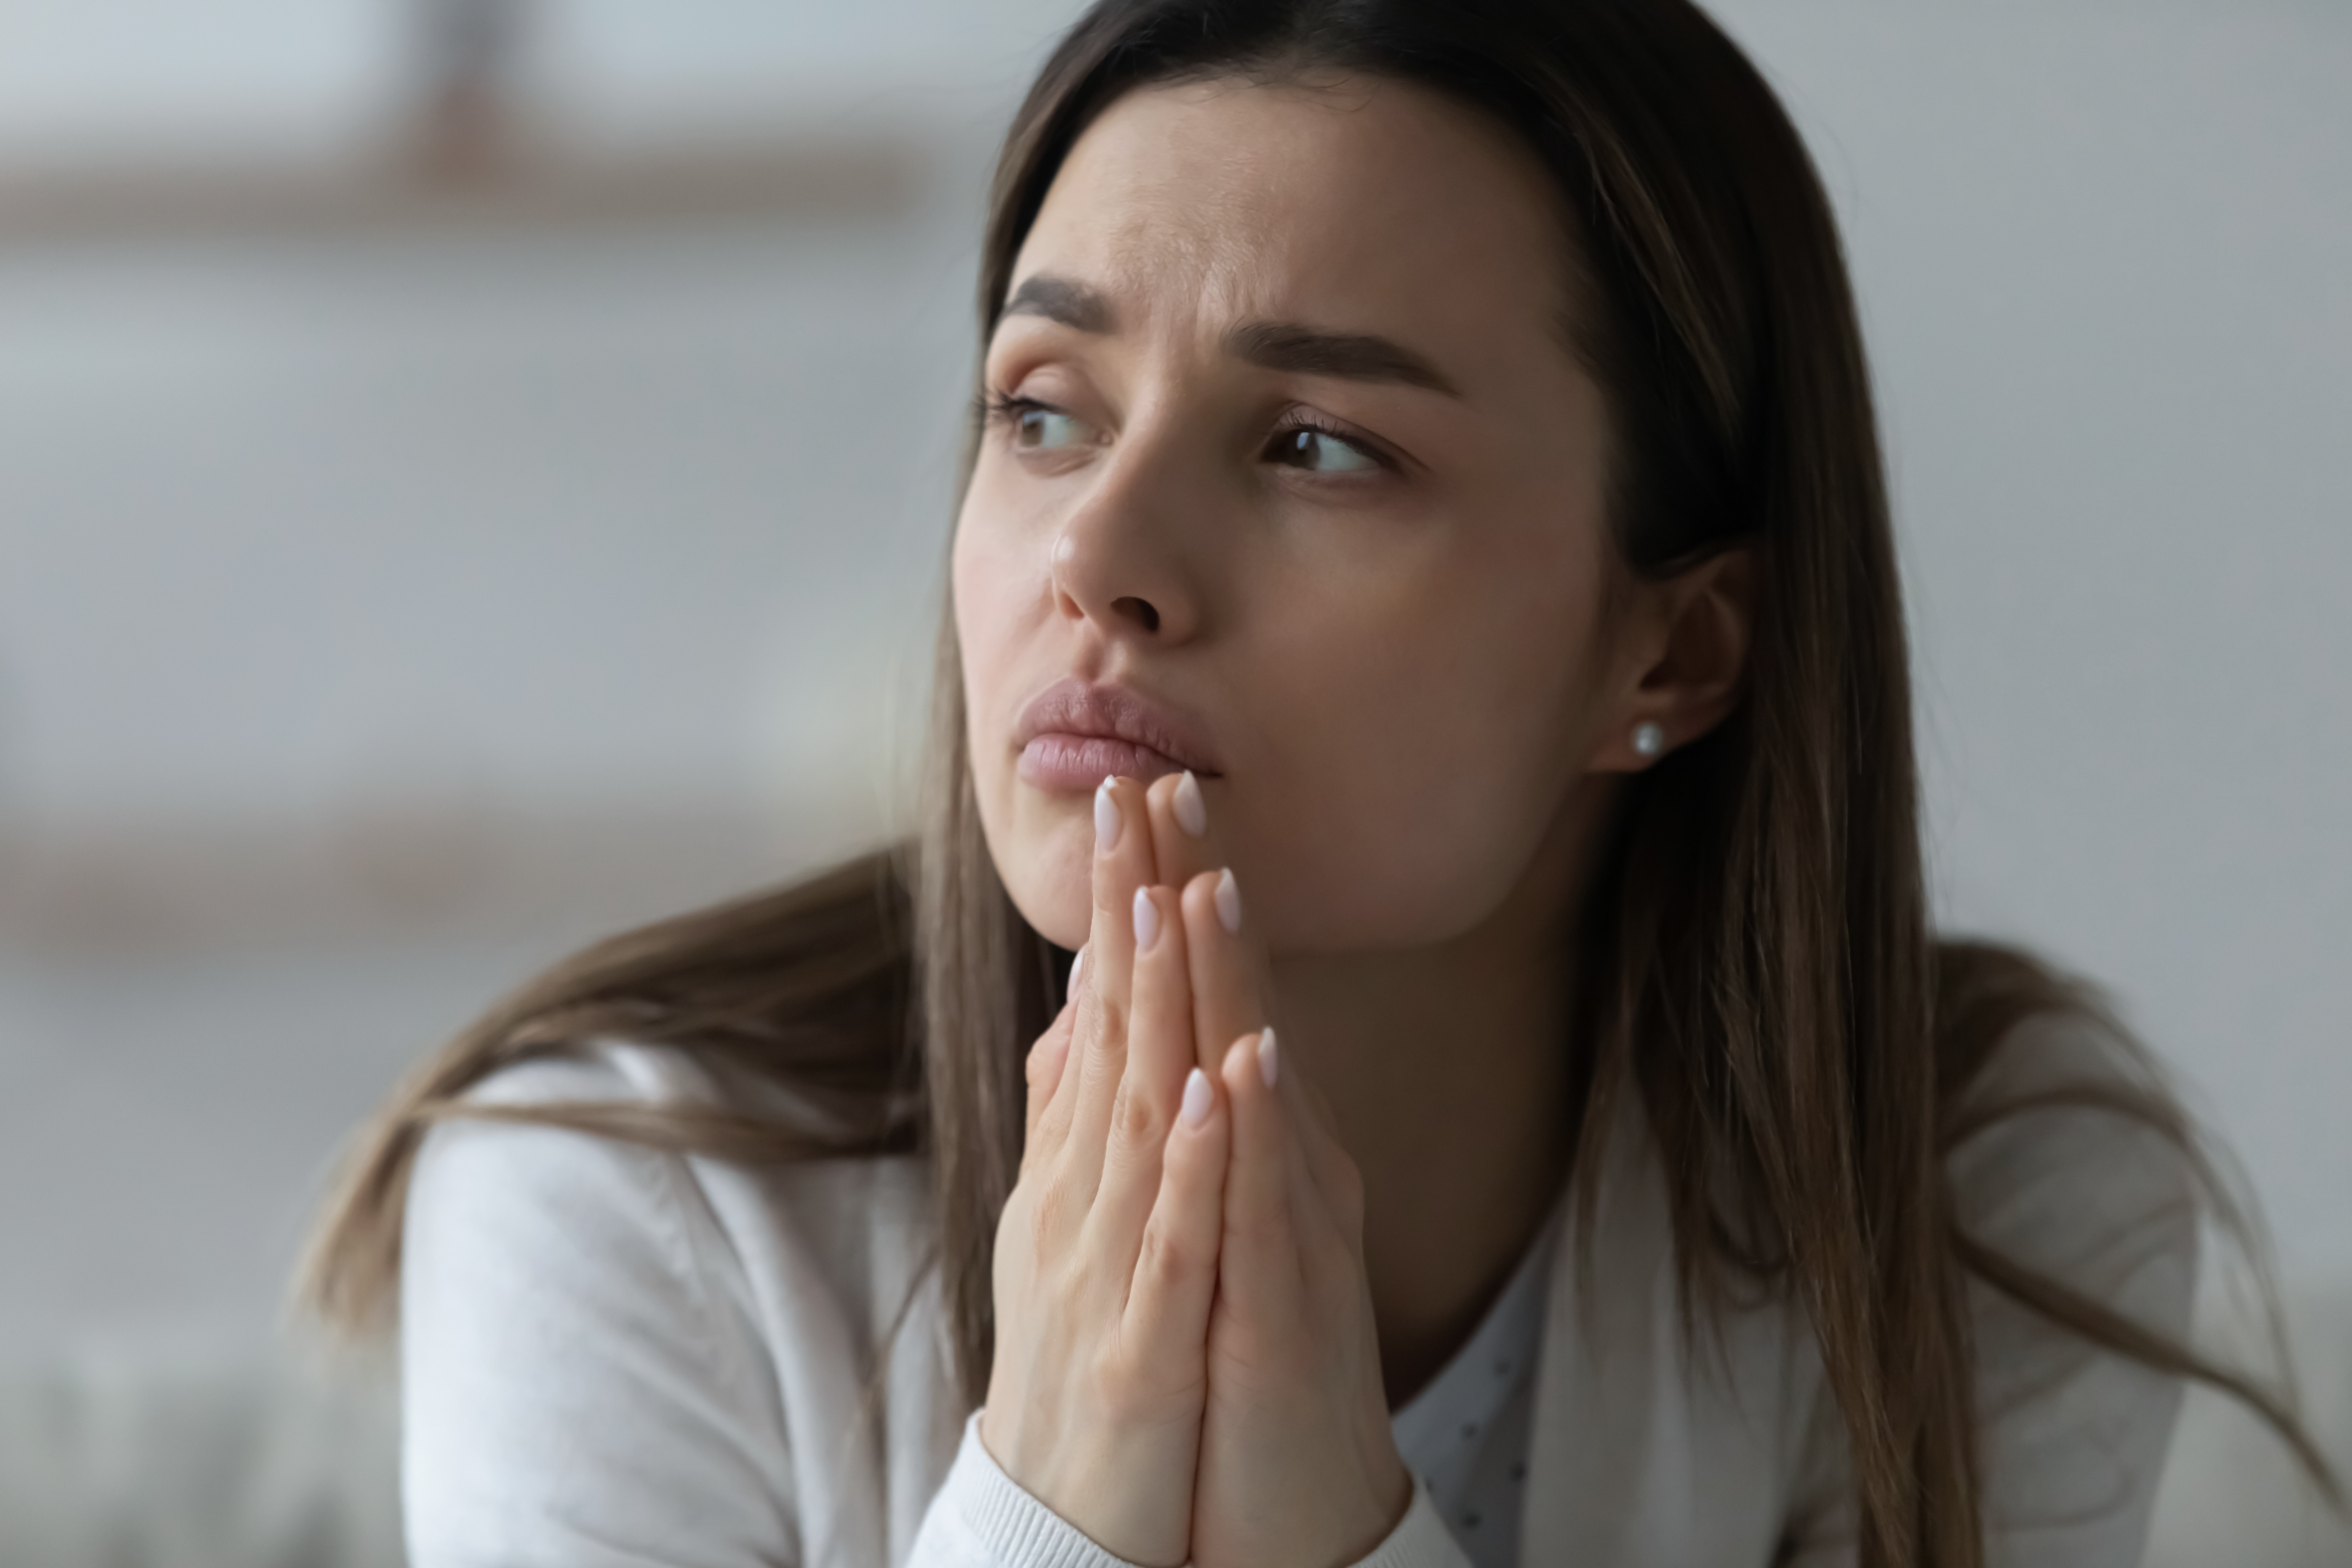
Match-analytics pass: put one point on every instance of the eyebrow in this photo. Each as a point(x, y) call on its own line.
point(1073, 304)
point(1346, 356)
point(1270, 345)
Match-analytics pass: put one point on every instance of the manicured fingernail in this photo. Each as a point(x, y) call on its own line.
point(1266, 1062)
point(1107, 819)
point(1191, 811)
point(1229, 904)
point(1077, 965)
point(1146, 920)
point(1196, 1098)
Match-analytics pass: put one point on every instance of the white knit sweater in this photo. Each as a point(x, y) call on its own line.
point(614, 1356)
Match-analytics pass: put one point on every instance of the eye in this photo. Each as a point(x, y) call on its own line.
point(1320, 452)
point(1037, 427)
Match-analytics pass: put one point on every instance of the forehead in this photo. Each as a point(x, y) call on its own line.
point(1365, 203)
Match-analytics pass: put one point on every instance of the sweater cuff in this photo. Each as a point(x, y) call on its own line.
point(981, 1519)
point(1420, 1540)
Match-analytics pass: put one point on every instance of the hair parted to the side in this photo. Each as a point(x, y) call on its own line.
point(1769, 985)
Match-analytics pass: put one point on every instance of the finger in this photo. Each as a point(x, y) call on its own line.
point(1228, 963)
point(1159, 1055)
point(1043, 1072)
point(1227, 966)
point(1176, 1267)
point(1322, 1162)
point(1123, 863)
point(1184, 839)
point(1050, 1116)
point(1259, 1265)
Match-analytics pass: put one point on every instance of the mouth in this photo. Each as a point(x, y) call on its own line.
point(1072, 735)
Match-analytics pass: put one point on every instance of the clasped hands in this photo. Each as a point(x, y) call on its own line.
point(1186, 1364)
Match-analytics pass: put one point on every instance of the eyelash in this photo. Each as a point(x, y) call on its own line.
point(1002, 411)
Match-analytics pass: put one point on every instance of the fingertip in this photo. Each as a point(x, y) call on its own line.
point(1240, 1066)
point(1199, 900)
point(1191, 809)
point(1109, 822)
point(1200, 1101)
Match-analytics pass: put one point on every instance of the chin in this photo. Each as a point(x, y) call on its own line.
point(1047, 869)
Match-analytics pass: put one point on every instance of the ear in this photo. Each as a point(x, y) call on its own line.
point(1682, 659)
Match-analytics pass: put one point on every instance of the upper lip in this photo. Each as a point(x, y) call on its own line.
point(1075, 707)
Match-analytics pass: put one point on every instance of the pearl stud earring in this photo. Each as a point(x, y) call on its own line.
point(1649, 739)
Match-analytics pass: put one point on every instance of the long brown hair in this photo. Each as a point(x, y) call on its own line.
point(1770, 986)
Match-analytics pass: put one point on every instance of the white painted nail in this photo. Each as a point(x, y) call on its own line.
point(1196, 1098)
point(1146, 920)
point(1191, 811)
point(1229, 904)
point(1107, 819)
point(1266, 1062)
point(1077, 965)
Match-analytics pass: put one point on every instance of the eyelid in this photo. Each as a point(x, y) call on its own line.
point(1301, 418)
point(1002, 408)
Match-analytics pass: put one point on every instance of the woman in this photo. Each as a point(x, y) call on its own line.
point(1424, 633)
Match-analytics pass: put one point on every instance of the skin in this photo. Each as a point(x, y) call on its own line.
point(1409, 647)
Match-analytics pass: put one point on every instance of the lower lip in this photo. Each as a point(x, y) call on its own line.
point(1078, 763)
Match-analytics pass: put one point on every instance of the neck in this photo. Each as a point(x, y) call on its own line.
point(1448, 1074)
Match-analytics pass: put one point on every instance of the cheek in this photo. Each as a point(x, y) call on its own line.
point(1433, 734)
point(1043, 849)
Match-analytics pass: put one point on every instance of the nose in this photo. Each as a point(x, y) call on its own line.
point(1118, 563)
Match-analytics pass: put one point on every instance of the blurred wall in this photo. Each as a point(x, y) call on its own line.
point(384, 607)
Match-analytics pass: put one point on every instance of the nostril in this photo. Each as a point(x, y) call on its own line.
point(1139, 610)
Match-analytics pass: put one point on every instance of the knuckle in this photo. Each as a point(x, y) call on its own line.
point(1261, 1225)
point(1034, 1071)
point(1048, 1212)
point(1136, 1121)
point(1168, 1259)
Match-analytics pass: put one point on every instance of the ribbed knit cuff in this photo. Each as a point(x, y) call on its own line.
point(1420, 1540)
point(983, 1519)
point(995, 1524)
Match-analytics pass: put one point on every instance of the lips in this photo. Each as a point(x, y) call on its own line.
point(1072, 735)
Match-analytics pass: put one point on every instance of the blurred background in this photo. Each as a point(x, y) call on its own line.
point(474, 474)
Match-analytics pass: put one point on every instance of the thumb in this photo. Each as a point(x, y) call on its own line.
point(1049, 1056)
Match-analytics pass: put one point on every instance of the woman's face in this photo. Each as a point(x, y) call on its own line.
point(1291, 479)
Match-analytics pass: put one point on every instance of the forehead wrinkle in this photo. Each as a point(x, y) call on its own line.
point(1197, 237)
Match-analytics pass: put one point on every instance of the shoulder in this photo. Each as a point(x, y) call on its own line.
point(2054, 1175)
point(608, 1343)
point(2070, 1155)
point(2067, 1177)
point(605, 1180)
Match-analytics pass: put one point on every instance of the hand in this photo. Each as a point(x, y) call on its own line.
point(1106, 1252)
point(1298, 1461)
point(1298, 1464)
